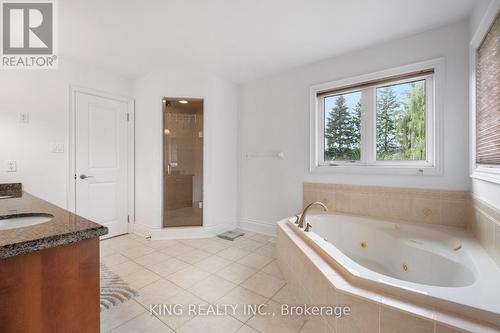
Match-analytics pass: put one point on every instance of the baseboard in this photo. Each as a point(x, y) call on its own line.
point(183, 232)
point(261, 227)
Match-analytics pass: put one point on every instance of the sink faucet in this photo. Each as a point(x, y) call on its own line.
point(303, 216)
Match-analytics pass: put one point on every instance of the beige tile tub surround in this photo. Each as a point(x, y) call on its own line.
point(453, 208)
point(486, 227)
point(314, 281)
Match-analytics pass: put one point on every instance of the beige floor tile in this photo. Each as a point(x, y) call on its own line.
point(254, 260)
point(286, 296)
point(248, 233)
point(114, 259)
point(275, 323)
point(232, 263)
point(162, 244)
point(119, 314)
point(135, 237)
point(273, 269)
point(151, 259)
point(196, 243)
point(236, 240)
point(261, 238)
point(316, 325)
point(205, 324)
point(122, 243)
point(240, 296)
point(246, 329)
point(126, 268)
point(213, 264)
point(137, 251)
point(177, 249)
point(267, 250)
point(145, 323)
point(212, 288)
point(182, 300)
point(157, 292)
point(194, 256)
point(105, 251)
point(263, 284)
point(248, 244)
point(214, 246)
point(236, 273)
point(232, 253)
point(168, 266)
point(187, 277)
point(141, 278)
point(224, 241)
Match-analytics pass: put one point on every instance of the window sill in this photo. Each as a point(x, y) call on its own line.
point(378, 170)
point(489, 176)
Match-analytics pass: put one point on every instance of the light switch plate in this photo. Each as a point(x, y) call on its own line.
point(57, 148)
point(11, 166)
point(24, 117)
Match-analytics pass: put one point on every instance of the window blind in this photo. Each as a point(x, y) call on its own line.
point(488, 97)
point(371, 83)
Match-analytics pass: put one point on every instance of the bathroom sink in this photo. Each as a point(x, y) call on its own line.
point(23, 220)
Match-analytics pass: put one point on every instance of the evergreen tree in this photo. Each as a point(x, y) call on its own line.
point(342, 134)
point(411, 126)
point(356, 119)
point(387, 109)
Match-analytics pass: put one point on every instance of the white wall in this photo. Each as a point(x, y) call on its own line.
point(275, 116)
point(484, 190)
point(220, 149)
point(45, 95)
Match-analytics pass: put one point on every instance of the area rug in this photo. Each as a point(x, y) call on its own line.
point(113, 289)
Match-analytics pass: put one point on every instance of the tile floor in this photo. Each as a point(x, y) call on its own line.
point(198, 271)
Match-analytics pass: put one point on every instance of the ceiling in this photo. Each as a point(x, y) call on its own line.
point(237, 39)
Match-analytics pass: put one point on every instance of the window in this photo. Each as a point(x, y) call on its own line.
point(383, 121)
point(342, 127)
point(401, 121)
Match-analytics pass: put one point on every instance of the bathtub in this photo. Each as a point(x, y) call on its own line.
point(443, 267)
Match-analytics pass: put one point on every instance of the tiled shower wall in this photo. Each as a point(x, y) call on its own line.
point(451, 208)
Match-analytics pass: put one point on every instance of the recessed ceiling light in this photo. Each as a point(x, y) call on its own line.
point(182, 101)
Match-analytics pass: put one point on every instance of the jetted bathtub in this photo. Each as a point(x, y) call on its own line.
point(438, 265)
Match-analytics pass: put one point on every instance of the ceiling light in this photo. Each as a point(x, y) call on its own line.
point(182, 101)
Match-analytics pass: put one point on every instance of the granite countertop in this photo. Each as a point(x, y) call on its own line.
point(64, 228)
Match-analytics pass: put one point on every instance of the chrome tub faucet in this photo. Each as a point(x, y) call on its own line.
point(300, 221)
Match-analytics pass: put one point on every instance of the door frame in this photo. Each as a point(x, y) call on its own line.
point(71, 195)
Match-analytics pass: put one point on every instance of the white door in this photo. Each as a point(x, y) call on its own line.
point(101, 161)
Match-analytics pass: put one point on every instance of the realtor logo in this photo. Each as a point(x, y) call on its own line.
point(28, 34)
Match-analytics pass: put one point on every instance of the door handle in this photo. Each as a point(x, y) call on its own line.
point(84, 176)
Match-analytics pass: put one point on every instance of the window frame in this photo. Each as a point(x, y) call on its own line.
point(368, 162)
point(490, 173)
